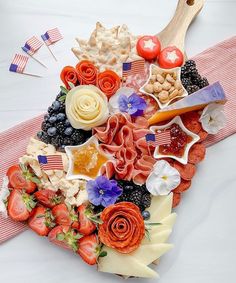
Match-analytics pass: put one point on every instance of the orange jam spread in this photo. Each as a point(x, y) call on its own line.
point(88, 161)
point(179, 141)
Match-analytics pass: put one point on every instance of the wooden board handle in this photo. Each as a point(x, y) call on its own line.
point(174, 33)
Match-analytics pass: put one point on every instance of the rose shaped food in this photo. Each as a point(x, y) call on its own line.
point(86, 107)
point(69, 74)
point(87, 73)
point(109, 82)
point(122, 228)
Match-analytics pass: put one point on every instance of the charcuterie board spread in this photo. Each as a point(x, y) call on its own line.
point(116, 151)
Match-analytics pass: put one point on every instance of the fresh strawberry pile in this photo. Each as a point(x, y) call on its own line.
point(47, 215)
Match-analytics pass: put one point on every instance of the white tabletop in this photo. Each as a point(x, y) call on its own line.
point(204, 235)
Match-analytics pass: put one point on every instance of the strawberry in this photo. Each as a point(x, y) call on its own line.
point(61, 214)
point(22, 179)
point(86, 225)
point(65, 216)
point(48, 198)
point(41, 221)
point(64, 237)
point(89, 249)
point(20, 204)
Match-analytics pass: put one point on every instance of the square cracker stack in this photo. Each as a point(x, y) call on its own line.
point(108, 48)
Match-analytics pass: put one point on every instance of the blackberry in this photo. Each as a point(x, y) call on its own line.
point(143, 189)
point(45, 126)
point(62, 107)
point(186, 82)
point(146, 200)
point(45, 138)
point(57, 141)
point(124, 197)
point(196, 79)
point(190, 63)
point(192, 71)
point(78, 137)
point(66, 141)
point(203, 82)
point(60, 127)
point(184, 72)
point(192, 88)
point(135, 197)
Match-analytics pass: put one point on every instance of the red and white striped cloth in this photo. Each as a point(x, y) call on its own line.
point(216, 63)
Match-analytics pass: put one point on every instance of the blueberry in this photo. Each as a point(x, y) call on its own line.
point(52, 119)
point(67, 123)
point(146, 215)
point(56, 105)
point(46, 117)
point(61, 117)
point(52, 131)
point(68, 131)
point(40, 134)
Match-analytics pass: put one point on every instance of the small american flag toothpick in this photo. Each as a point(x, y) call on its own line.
point(50, 37)
point(18, 65)
point(31, 46)
point(158, 138)
point(133, 68)
point(50, 162)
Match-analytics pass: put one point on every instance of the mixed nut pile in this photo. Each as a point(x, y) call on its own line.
point(165, 85)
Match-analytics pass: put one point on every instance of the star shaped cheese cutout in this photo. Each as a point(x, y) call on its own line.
point(85, 160)
point(149, 44)
point(153, 69)
point(172, 56)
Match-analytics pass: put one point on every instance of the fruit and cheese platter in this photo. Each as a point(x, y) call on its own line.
point(117, 148)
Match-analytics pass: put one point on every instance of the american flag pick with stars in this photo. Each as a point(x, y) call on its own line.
point(32, 45)
point(18, 64)
point(133, 68)
point(158, 139)
point(51, 36)
point(50, 162)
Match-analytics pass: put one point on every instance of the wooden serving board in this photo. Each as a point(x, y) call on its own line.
point(174, 33)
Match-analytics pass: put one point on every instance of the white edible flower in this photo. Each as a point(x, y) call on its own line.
point(213, 118)
point(4, 193)
point(163, 179)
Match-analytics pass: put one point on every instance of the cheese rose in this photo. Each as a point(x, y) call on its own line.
point(86, 107)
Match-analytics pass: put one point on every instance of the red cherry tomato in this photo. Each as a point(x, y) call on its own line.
point(170, 57)
point(148, 47)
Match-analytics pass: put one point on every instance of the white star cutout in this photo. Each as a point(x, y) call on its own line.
point(172, 56)
point(149, 44)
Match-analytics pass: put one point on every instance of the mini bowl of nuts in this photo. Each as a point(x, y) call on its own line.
point(164, 85)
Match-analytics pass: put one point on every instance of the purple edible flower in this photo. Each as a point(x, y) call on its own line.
point(133, 105)
point(103, 191)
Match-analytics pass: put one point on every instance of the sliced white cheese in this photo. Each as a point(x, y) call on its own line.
point(157, 238)
point(160, 207)
point(169, 220)
point(124, 264)
point(148, 253)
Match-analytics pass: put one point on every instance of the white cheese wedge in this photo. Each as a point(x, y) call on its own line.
point(169, 220)
point(148, 253)
point(160, 237)
point(124, 264)
point(160, 207)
